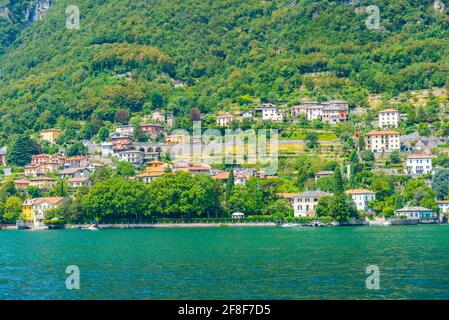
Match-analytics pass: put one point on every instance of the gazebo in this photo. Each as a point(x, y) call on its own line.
point(238, 215)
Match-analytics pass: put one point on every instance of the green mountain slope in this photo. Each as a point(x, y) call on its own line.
point(227, 51)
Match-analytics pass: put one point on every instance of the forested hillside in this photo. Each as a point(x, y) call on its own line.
point(129, 54)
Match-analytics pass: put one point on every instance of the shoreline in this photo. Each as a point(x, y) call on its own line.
point(173, 225)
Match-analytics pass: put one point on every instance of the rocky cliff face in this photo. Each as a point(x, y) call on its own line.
point(24, 11)
point(37, 10)
point(18, 14)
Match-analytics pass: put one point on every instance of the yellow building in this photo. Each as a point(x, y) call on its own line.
point(34, 210)
point(27, 211)
point(50, 135)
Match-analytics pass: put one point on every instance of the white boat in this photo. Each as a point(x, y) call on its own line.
point(92, 228)
point(290, 225)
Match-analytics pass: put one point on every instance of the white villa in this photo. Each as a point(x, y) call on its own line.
point(132, 156)
point(361, 198)
point(389, 118)
point(270, 112)
point(224, 120)
point(417, 213)
point(304, 203)
point(331, 112)
point(418, 164)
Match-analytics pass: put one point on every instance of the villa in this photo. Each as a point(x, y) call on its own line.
point(418, 164)
point(389, 118)
point(382, 141)
point(132, 156)
point(304, 204)
point(361, 198)
point(225, 120)
point(147, 177)
point(270, 112)
point(153, 130)
point(50, 135)
point(34, 210)
point(443, 205)
point(121, 141)
point(79, 182)
point(43, 183)
point(125, 129)
point(75, 173)
point(424, 215)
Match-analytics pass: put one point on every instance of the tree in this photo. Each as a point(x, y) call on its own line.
point(195, 115)
point(440, 183)
point(117, 198)
point(394, 157)
point(21, 150)
point(367, 155)
point(77, 149)
point(122, 116)
point(182, 195)
point(8, 189)
point(281, 208)
point(340, 207)
point(339, 183)
point(13, 209)
point(103, 134)
point(125, 169)
point(311, 139)
point(139, 135)
point(61, 189)
point(229, 185)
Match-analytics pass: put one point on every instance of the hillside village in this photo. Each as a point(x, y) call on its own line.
point(374, 162)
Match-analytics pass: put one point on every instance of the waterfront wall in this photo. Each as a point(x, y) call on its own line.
point(174, 225)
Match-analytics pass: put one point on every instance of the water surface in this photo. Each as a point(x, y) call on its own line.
point(227, 263)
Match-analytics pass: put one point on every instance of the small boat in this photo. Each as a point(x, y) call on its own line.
point(290, 225)
point(92, 227)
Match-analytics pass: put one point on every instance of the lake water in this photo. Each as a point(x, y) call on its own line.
point(227, 263)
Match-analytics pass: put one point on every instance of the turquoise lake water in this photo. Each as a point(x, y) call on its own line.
point(227, 263)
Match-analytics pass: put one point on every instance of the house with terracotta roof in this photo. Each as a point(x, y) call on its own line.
point(125, 129)
point(382, 141)
point(50, 135)
point(121, 141)
point(21, 184)
point(304, 204)
point(389, 118)
point(221, 176)
point(224, 120)
point(147, 177)
point(361, 198)
point(44, 158)
point(34, 210)
point(419, 164)
point(153, 130)
point(36, 170)
point(43, 182)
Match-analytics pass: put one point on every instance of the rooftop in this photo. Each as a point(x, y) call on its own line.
point(376, 133)
point(413, 209)
point(359, 191)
